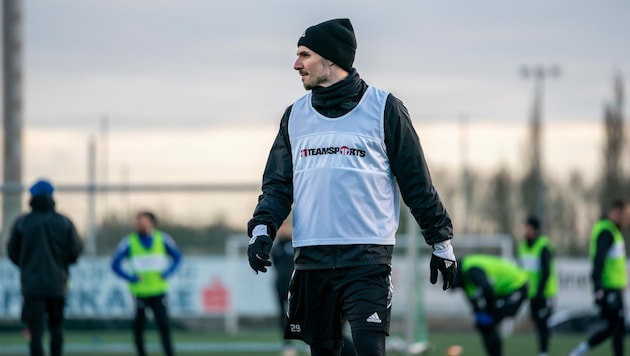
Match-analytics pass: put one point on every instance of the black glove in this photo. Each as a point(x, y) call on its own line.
point(258, 253)
point(448, 268)
point(599, 297)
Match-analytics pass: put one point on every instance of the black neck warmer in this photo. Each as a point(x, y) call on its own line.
point(341, 97)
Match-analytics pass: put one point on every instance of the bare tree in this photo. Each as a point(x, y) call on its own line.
point(612, 180)
point(499, 205)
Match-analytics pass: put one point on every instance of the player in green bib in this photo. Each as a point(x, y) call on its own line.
point(153, 257)
point(496, 288)
point(536, 258)
point(608, 255)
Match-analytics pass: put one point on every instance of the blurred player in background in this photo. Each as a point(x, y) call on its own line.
point(341, 155)
point(608, 256)
point(536, 258)
point(495, 288)
point(153, 258)
point(282, 259)
point(43, 244)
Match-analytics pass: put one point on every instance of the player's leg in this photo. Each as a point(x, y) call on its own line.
point(369, 342)
point(617, 322)
point(618, 333)
point(33, 311)
point(324, 351)
point(346, 350)
point(348, 347)
point(314, 314)
point(491, 339)
point(160, 312)
point(138, 326)
point(540, 313)
point(610, 309)
point(599, 336)
point(509, 305)
point(366, 303)
point(54, 308)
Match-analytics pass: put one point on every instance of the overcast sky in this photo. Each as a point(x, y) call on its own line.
point(187, 64)
point(194, 89)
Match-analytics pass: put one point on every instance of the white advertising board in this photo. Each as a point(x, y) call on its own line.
point(218, 286)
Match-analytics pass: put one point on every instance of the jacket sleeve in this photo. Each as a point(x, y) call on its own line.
point(412, 174)
point(15, 242)
point(122, 252)
point(76, 244)
point(485, 300)
point(176, 255)
point(604, 242)
point(274, 204)
point(545, 271)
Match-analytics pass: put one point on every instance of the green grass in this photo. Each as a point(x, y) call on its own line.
point(515, 345)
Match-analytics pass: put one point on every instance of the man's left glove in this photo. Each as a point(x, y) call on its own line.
point(483, 318)
point(443, 260)
point(259, 250)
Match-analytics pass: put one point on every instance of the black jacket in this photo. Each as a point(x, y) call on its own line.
point(545, 271)
point(605, 240)
point(406, 160)
point(282, 259)
point(43, 244)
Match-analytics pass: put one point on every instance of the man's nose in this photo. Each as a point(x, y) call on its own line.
point(297, 65)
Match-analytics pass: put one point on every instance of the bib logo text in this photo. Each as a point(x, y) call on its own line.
point(343, 150)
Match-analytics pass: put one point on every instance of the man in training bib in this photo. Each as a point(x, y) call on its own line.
point(607, 252)
point(343, 153)
point(153, 258)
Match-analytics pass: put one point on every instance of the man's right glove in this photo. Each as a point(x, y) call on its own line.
point(443, 260)
point(259, 249)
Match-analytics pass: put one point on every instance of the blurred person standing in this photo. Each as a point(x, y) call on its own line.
point(343, 153)
point(282, 259)
point(43, 244)
point(536, 258)
point(148, 251)
point(496, 289)
point(609, 276)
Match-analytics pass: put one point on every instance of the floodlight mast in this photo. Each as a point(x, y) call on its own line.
point(538, 73)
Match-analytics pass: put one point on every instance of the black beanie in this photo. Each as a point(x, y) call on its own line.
point(333, 40)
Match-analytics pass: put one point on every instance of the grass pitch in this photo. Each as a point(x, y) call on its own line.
point(268, 343)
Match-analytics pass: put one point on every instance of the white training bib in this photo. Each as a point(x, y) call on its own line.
point(343, 188)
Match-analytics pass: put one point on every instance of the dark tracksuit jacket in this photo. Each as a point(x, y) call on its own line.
point(407, 163)
point(604, 243)
point(43, 244)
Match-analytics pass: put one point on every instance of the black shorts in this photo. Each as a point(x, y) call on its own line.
point(507, 306)
point(540, 309)
point(320, 301)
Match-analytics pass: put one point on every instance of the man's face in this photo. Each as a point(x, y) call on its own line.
point(530, 232)
point(313, 68)
point(624, 219)
point(144, 225)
